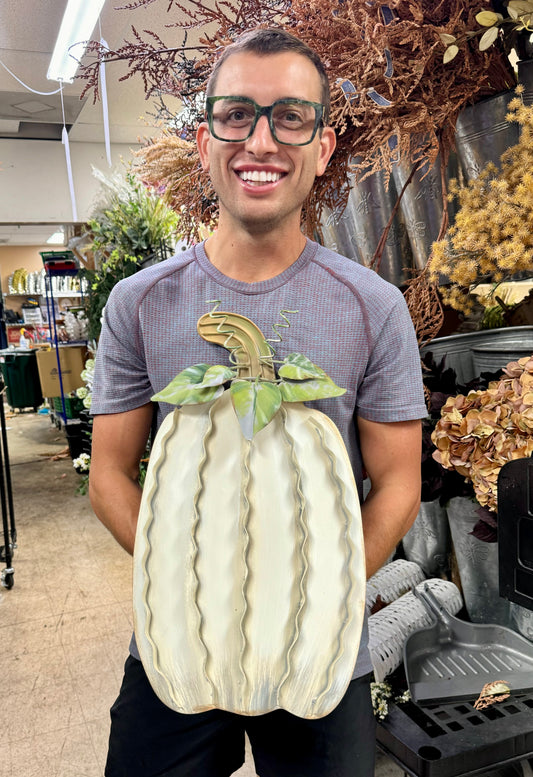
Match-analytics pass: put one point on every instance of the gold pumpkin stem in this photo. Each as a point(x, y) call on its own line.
point(245, 341)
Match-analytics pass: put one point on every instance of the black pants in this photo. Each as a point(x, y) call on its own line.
point(149, 739)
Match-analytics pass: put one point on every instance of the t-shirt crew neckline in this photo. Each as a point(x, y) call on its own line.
point(261, 286)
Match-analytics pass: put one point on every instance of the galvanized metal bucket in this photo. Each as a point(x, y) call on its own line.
point(478, 565)
point(422, 205)
point(427, 542)
point(482, 133)
point(356, 231)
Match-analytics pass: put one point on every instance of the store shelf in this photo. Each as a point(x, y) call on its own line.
point(57, 265)
point(55, 294)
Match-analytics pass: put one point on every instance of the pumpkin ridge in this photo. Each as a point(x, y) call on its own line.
point(302, 530)
point(163, 443)
point(195, 555)
point(348, 574)
point(244, 519)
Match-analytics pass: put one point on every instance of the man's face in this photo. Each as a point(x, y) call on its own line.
point(262, 205)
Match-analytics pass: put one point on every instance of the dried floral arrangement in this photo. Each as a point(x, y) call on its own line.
point(494, 26)
point(392, 95)
point(480, 432)
point(492, 236)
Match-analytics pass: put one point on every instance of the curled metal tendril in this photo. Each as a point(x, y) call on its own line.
point(220, 317)
point(285, 324)
point(233, 349)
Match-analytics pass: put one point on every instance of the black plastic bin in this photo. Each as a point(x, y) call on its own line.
point(21, 376)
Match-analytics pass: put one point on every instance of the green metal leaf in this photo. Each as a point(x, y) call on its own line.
point(187, 389)
point(217, 375)
point(296, 366)
point(255, 403)
point(307, 390)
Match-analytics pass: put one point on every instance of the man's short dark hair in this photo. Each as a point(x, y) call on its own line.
point(273, 40)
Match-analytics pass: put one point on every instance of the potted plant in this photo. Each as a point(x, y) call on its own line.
point(428, 542)
point(477, 433)
point(491, 239)
point(130, 226)
point(489, 243)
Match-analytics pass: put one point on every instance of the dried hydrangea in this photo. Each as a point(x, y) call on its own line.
point(477, 434)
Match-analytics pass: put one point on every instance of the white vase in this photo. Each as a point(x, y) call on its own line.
point(478, 565)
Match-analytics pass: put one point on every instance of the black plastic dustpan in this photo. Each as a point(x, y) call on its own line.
point(452, 660)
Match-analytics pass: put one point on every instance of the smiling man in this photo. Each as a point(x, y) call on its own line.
point(265, 139)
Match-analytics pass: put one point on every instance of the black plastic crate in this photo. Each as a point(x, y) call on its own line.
point(449, 740)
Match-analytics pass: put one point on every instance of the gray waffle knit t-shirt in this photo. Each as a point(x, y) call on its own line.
point(343, 317)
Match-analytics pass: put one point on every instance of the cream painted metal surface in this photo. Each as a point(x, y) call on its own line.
point(249, 578)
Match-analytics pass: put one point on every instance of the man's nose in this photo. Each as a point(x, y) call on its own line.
point(261, 141)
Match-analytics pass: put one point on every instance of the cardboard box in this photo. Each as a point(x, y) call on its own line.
point(72, 359)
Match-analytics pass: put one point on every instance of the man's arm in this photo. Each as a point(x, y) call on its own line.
point(118, 444)
point(392, 458)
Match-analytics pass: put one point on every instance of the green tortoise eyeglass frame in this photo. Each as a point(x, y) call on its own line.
point(242, 114)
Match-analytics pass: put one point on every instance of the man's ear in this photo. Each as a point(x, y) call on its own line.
point(328, 141)
point(202, 141)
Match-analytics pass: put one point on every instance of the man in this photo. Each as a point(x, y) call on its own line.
point(264, 141)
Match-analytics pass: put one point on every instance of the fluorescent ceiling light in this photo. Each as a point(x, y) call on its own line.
point(9, 126)
point(57, 239)
point(76, 29)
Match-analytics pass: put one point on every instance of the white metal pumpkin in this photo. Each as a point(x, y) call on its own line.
point(249, 577)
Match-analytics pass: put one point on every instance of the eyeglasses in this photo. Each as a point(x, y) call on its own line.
point(292, 122)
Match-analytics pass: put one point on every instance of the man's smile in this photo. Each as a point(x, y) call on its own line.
point(259, 176)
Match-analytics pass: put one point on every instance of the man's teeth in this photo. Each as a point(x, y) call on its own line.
point(261, 176)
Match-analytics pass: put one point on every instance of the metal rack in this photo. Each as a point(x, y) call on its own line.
point(6, 504)
point(58, 264)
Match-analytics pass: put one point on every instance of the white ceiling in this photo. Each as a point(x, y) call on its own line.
point(28, 31)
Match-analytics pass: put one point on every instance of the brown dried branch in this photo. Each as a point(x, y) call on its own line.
point(424, 306)
point(172, 166)
point(374, 54)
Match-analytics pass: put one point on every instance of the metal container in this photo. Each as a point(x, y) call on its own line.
point(478, 565)
point(459, 349)
point(494, 358)
point(482, 133)
point(422, 205)
point(356, 231)
point(427, 542)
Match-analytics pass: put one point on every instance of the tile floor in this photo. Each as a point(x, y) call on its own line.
point(66, 623)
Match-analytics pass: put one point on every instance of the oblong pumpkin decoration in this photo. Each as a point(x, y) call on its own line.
point(249, 576)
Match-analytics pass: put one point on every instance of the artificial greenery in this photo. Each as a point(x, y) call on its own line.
point(256, 400)
point(129, 224)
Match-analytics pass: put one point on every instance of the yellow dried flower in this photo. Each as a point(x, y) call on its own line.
point(492, 237)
